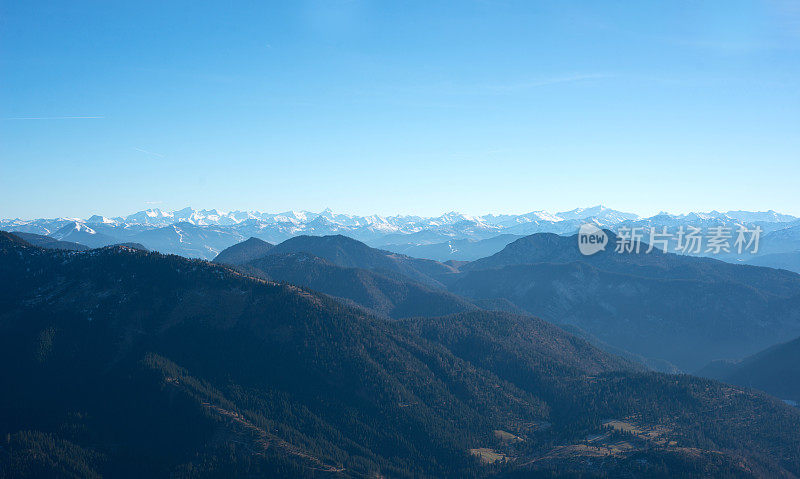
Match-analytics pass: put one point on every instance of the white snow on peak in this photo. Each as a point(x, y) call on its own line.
point(195, 228)
point(101, 219)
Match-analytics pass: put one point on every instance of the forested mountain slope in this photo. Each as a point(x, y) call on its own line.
point(387, 294)
point(128, 363)
point(681, 309)
point(775, 370)
point(349, 253)
point(243, 252)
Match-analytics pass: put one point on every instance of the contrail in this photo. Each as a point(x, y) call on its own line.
point(149, 152)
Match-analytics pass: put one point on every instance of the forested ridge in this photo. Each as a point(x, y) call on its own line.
point(127, 363)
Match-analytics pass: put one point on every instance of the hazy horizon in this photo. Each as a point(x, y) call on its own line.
point(434, 215)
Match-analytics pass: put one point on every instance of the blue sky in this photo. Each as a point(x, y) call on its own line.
point(411, 107)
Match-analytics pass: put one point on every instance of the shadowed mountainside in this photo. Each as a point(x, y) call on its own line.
point(50, 243)
point(387, 294)
point(129, 363)
point(243, 252)
point(349, 253)
point(681, 309)
point(775, 370)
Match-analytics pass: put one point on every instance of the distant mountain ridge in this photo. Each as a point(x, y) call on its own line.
point(50, 243)
point(78, 232)
point(656, 305)
point(652, 306)
point(206, 232)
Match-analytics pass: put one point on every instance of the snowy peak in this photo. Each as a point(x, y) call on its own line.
point(299, 219)
point(295, 222)
point(71, 228)
point(454, 217)
point(542, 216)
point(78, 232)
point(769, 216)
point(599, 212)
point(205, 232)
point(101, 220)
point(153, 216)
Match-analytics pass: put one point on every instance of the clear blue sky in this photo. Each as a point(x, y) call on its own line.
point(414, 107)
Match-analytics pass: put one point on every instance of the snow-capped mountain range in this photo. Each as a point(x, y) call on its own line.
point(204, 233)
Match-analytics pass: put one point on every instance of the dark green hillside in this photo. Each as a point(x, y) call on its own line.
point(775, 370)
point(125, 363)
point(552, 248)
point(683, 310)
point(243, 252)
point(182, 365)
point(674, 424)
point(50, 243)
point(523, 342)
point(349, 253)
point(388, 294)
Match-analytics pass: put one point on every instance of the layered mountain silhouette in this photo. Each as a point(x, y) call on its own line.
point(50, 243)
point(243, 252)
point(78, 232)
point(177, 366)
point(681, 309)
point(789, 261)
point(187, 239)
point(775, 370)
point(130, 363)
point(451, 236)
point(653, 306)
point(552, 248)
point(349, 253)
point(387, 294)
point(456, 249)
point(380, 289)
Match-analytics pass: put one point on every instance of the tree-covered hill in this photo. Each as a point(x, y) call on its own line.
point(387, 294)
point(349, 253)
point(50, 243)
point(125, 363)
point(680, 309)
point(775, 370)
point(155, 364)
point(243, 252)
